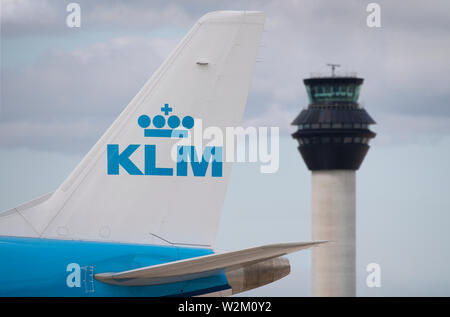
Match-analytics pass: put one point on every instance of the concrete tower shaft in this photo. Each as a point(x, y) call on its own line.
point(333, 219)
point(333, 136)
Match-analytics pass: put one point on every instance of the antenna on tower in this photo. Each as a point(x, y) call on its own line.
point(333, 67)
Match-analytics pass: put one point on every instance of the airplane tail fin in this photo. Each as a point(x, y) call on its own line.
point(128, 188)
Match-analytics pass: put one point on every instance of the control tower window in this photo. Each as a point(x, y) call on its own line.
point(330, 93)
point(348, 140)
point(308, 91)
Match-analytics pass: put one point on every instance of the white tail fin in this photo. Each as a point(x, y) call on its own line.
point(128, 188)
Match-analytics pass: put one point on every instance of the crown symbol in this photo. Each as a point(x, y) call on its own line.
point(159, 122)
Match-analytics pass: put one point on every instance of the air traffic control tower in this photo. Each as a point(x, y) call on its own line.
point(333, 136)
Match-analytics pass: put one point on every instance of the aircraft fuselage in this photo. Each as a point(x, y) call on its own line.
point(47, 267)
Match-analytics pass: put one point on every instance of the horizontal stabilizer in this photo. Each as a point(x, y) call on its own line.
point(201, 266)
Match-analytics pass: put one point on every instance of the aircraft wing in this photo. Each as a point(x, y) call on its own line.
point(200, 266)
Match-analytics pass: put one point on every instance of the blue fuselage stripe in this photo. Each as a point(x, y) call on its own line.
point(46, 267)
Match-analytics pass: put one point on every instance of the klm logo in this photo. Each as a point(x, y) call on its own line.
point(186, 154)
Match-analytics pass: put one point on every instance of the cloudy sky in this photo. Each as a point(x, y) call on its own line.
point(61, 88)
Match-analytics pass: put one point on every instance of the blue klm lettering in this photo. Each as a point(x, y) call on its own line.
point(185, 154)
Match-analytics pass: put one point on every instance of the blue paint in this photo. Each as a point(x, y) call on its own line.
point(150, 163)
point(185, 154)
point(165, 133)
point(159, 121)
point(39, 267)
point(144, 121)
point(173, 122)
point(116, 159)
point(199, 168)
point(166, 109)
point(188, 122)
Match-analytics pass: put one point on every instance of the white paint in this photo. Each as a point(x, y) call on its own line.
point(62, 231)
point(374, 277)
point(333, 219)
point(74, 277)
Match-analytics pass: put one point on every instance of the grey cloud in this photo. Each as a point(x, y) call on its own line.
point(43, 106)
point(25, 17)
point(48, 17)
point(402, 129)
point(121, 13)
point(404, 63)
point(69, 136)
point(94, 81)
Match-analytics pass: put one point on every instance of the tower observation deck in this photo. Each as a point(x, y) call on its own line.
point(333, 132)
point(333, 138)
